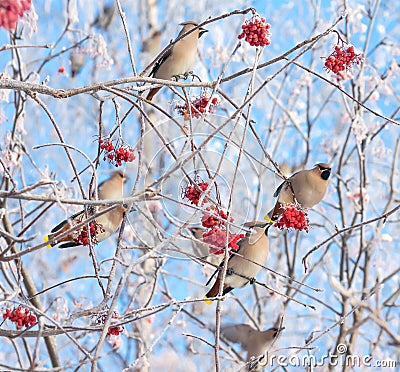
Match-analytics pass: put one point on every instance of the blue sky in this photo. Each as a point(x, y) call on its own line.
point(293, 98)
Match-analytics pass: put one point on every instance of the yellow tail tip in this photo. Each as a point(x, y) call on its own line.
point(46, 239)
point(269, 219)
point(208, 302)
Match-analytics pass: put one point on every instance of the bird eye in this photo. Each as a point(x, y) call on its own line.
point(276, 332)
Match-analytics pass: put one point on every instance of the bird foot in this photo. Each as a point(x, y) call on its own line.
point(187, 74)
point(252, 280)
point(181, 76)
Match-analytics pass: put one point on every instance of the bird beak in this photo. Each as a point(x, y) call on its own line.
point(202, 31)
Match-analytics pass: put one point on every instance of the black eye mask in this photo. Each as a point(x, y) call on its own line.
point(325, 174)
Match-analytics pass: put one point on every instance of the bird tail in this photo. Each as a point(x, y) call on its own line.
point(152, 93)
point(66, 244)
point(208, 302)
point(268, 218)
point(59, 229)
point(213, 291)
point(46, 239)
point(274, 214)
point(69, 245)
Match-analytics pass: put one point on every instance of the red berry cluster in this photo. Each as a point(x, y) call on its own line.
point(293, 217)
point(10, 10)
point(118, 153)
point(216, 237)
point(101, 319)
point(22, 316)
point(214, 219)
point(83, 236)
point(198, 106)
point(193, 194)
point(210, 220)
point(341, 59)
point(256, 32)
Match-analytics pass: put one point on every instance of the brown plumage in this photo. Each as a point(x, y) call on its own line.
point(256, 343)
point(77, 59)
point(151, 44)
point(201, 249)
point(111, 188)
point(254, 246)
point(104, 18)
point(180, 58)
point(308, 186)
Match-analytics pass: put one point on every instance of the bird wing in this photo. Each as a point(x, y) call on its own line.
point(252, 224)
point(279, 189)
point(221, 265)
point(216, 270)
point(63, 223)
point(160, 62)
point(101, 187)
point(69, 245)
point(239, 333)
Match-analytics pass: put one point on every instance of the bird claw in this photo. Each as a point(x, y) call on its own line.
point(182, 76)
point(178, 77)
point(252, 280)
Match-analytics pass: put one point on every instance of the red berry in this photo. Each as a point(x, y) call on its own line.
point(256, 32)
point(341, 59)
point(293, 217)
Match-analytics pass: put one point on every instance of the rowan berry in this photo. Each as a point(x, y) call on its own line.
point(293, 217)
point(256, 32)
